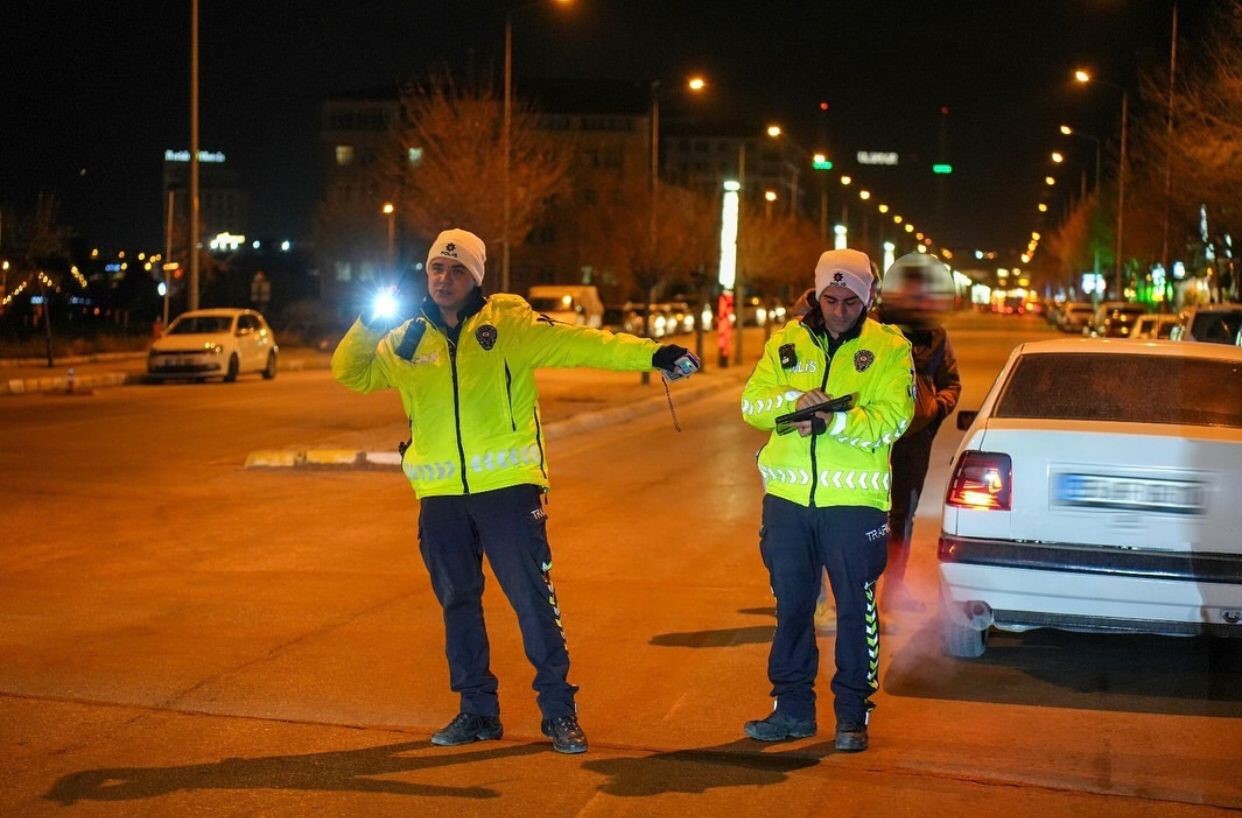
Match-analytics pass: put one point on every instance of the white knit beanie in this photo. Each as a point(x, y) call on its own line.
point(847, 268)
point(462, 246)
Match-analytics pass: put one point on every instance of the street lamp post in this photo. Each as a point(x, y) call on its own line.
point(390, 210)
point(506, 139)
point(1085, 77)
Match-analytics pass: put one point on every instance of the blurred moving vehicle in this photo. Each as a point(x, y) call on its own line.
point(568, 303)
point(1153, 327)
point(1096, 489)
point(1075, 315)
point(1210, 323)
point(216, 343)
point(1114, 319)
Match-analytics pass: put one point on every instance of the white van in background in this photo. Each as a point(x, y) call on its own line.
point(568, 303)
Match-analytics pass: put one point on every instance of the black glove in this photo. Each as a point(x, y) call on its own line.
point(667, 355)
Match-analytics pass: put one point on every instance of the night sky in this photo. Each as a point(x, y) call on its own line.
point(93, 93)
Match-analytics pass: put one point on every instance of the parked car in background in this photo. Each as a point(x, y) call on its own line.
point(216, 343)
point(1096, 490)
point(1153, 327)
point(1075, 315)
point(1210, 323)
point(568, 303)
point(659, 322)
point(1114, 319)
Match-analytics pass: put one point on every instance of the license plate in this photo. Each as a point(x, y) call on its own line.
point(1131, 493)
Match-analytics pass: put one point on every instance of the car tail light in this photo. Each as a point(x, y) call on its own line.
point(982, 481)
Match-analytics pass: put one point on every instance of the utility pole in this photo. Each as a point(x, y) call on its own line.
point(194, 193)
point(1165, 256)
point(1121, 194)
point(168, 231)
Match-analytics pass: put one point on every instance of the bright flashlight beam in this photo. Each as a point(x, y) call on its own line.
point(385, 304)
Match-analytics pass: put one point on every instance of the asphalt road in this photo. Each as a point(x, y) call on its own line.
point(181, 636)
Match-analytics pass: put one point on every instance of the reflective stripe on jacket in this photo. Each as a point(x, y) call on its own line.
point(848, 464)
point(473, 410)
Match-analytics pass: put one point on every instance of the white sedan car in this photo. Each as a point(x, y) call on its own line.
point(216, 343)
point(1098, 489)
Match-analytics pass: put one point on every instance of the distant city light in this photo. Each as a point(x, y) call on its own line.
point(284, 245)
point(203, 156)
point(255, 244)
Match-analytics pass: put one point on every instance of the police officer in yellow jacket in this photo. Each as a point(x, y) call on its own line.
point(464, 368)
point(826, 492)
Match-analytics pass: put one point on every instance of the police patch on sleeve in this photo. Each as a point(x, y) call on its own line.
point(789, 357)
point(486, 336)
point(863, 358)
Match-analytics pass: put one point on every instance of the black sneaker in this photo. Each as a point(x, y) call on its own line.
point(779, 727)
point(851, 738)
point(468, 727)
point(566, 735)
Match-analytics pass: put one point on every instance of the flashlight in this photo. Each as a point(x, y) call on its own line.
point(384, 305)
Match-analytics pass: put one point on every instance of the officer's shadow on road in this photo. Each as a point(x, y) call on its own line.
point(339, 771)
point(696, 771)
point(721, 638)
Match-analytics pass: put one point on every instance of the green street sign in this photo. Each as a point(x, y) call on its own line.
point(942, 169)
point(822, 164)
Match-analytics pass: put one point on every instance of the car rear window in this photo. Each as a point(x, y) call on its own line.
point(1128, 388)
point(1217, 327)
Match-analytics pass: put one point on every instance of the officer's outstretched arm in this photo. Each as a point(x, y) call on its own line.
point(765, 397)
point(359, 361)
point(548, 343)
point(883, 419)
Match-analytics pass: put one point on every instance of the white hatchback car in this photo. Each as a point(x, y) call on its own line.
point(1097, 488)
point(216, 343)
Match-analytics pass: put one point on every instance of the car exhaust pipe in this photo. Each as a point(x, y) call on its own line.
point(979, 615)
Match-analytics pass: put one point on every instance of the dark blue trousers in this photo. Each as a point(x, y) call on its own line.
point(797, 544)
point(509, 526)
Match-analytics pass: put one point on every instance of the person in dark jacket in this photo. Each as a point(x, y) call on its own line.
point(912, 304)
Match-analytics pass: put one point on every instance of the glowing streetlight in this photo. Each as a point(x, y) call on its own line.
point(883, 208)
point(770, 195)
point(1058, 157)
point(774, 130)
point(696, 84)
point(1082, 76)
point(864, 194)
point(1034, 235)
point(1066, 130)
point(897, 220)
point(1043, 208)
point(1049, 181)
point(845, 180)
point(909, 228)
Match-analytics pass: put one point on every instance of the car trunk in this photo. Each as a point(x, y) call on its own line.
point(1167, 488)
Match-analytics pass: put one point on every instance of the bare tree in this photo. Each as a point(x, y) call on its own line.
point(447, 166)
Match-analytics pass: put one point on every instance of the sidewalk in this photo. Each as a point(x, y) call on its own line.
point(86, 372)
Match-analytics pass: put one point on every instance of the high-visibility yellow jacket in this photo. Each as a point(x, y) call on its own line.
point(473, 410)
point(848, 464)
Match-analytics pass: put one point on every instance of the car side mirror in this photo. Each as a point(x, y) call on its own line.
point(965, 418)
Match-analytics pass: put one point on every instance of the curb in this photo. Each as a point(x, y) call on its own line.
point(343, 459)
point(65, 384)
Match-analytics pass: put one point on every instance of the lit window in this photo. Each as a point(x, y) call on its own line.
point(344, 154)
